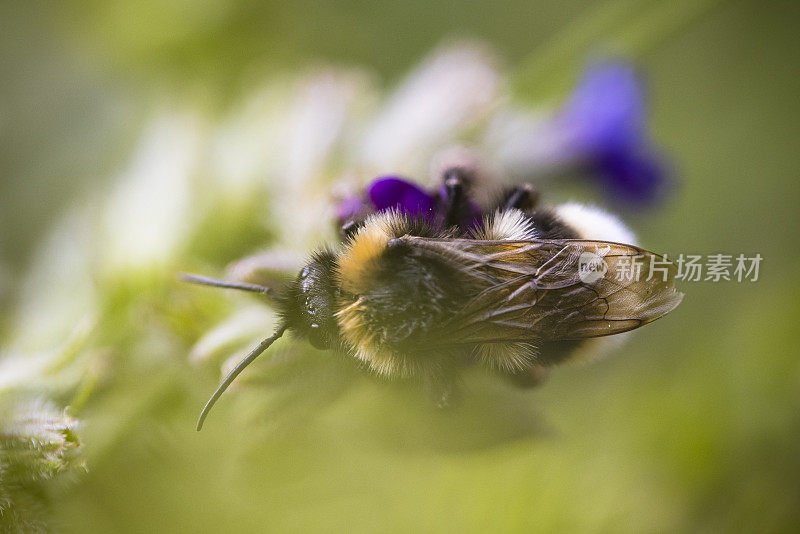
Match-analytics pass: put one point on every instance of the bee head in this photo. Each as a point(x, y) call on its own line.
point(307, 307)
point(309, 303)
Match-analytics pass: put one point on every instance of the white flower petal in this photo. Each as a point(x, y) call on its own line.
point(244, 325)
point(147, 215)
point(58, 289)
point(450, 91)
point(245, 148)
point(526, 143)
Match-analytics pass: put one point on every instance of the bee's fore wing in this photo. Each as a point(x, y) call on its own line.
point(554, 289)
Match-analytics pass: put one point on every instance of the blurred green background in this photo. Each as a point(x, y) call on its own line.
point(693, 426)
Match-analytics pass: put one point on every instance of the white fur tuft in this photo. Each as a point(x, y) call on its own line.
point(593, 223)
point(509, 225)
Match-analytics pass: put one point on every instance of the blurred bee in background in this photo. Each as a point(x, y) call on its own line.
point(428, 285)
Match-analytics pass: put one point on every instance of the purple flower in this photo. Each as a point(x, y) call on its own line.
point(389, 192)
point(394, 192)
point(605, 121)
point(351, 208)
point(384, 193)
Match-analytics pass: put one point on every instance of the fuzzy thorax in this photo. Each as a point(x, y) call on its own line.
point(359, 268)
point(364, 250)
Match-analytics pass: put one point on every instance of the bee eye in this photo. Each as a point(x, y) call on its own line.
point(318, 337)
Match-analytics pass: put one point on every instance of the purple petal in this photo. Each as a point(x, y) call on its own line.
point(350, 207)
point(605, 118)
point(394, 192)
point(632, 177)
point(606, 109)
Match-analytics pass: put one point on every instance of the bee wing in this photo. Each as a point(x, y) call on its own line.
point(554, 289)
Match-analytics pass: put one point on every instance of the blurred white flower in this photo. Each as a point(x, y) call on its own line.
point(148, 212)
point(449, 92)
point(58, 293)
point(242, 326)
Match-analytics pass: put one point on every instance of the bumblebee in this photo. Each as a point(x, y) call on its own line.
point(418, 300)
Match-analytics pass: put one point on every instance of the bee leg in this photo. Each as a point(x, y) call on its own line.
point(349, 228)
point(456, 183)
point(522, 197)
point(549, 353)
point(441, 389)
point(534, 376)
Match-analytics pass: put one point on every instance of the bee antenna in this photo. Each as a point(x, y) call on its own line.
point(247, 360)
point(213, 282)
